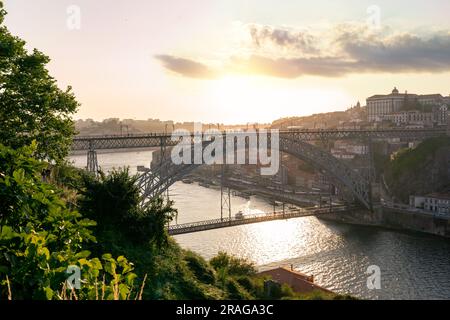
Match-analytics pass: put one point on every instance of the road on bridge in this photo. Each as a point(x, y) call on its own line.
point(178, 229)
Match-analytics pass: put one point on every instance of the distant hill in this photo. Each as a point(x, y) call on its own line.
point(351, 117)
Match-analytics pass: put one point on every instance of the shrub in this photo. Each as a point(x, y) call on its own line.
point(110, 199)
point(234, 266)
point(201, 269)
point(150, 224)
point(235, 291)
point(114, 201)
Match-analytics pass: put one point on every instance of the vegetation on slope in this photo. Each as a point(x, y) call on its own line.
point(421, 170)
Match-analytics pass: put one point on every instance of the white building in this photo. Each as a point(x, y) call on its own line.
point(378, 106)
point(436, 203)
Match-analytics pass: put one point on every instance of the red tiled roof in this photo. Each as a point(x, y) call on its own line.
point(299, 282)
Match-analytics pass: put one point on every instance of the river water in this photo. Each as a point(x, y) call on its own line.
point(413, 265)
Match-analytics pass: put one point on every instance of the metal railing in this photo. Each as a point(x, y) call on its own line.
point(198, 226)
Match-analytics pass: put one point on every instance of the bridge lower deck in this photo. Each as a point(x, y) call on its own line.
point(250, 219)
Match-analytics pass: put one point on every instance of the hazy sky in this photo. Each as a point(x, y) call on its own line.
point(236, 60)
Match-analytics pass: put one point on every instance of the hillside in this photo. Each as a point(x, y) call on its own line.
point(323, 120)
point(422, 170)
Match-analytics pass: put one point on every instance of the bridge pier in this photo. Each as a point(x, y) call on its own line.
point(92, 162)
point(225, 196)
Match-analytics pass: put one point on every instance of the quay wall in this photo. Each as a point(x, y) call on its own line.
point(392, 218)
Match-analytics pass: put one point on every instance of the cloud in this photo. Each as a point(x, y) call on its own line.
point(187, 67)
point(284, 38)
point(292, 67)
point(400, 53)
point(346, 49)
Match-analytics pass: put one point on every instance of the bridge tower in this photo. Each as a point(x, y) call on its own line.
point(372, 184)
point(92, 162)
point(225, 196)
point(164, 156)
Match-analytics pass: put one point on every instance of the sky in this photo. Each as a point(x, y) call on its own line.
point(235, 61)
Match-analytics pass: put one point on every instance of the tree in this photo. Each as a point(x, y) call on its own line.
point(111, 198)
point(32, 107)
point(113, 201)
point(41, 236)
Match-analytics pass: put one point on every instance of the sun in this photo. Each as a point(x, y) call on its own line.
point(246, 97)
point(242, 98)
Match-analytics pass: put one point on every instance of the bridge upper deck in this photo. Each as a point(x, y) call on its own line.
point(250, 219)
point(148, 140)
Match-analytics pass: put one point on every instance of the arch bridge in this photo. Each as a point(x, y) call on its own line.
point(155, 182)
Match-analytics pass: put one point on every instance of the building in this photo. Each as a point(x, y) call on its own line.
point(430, 99)
point(435, 203)
point(299, 282)
point(421, 119)
point(440, 114)
point(351, 147)
point(447, 100)
point(378, 106)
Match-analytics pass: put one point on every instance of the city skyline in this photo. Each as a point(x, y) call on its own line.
point(222, 62)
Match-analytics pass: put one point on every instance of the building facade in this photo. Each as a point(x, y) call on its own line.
point(422, 119)
point(380, 106)
point(433, 203)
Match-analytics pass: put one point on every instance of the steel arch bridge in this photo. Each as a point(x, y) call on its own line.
point(148, 140)
point(155, 182)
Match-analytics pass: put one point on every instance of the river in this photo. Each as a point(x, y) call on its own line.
point(413, 265)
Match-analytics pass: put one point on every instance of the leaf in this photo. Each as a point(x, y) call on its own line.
point(48, 293)
point(110, 267)
point(8, 233)
point(83, 254)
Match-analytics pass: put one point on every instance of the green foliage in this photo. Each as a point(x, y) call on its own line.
point(111, 198)
point(233, 266)
point(2, 12)
point(40, 237)
point(66, 175)
point(235, 291)
point(157, 216)
point(201, 269)
point(113, 201)
point(32, 107)
point(421, 170)
point(412, 159)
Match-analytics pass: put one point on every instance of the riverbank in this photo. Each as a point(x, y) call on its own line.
point(246, 190)
point(397, 219)
point(390, 218)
